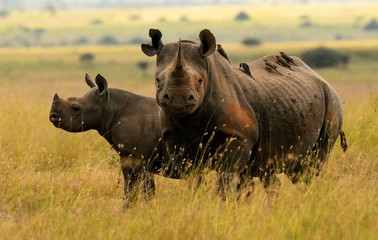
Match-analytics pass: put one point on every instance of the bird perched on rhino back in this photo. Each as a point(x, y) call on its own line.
point(280, 60)
point(271, 66)
point(222, 52)
point(245, 68)
point(287, 58)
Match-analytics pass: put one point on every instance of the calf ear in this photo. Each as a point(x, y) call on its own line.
point(157, 44)
point(89, 81)
point(102, 84)
point(56, 98)
point(208, 43)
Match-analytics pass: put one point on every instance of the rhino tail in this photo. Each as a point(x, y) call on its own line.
point(343, 141)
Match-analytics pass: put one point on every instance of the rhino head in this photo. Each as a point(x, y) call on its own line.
point(181, 73)
point(77, 114)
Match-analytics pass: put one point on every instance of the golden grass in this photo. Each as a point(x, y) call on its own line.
point(60, 185)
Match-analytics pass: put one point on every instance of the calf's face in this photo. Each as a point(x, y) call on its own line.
point(77, 114)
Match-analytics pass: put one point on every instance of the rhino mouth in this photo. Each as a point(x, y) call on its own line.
point(179, 108)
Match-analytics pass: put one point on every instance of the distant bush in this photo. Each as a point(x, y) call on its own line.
point(162, 19)
point(322, 57)
point(251, 41)
point(372, 25)
point(184, 19)
point(80, 41)
point(4, 13)
point(107, 40)
point(87, 58)
point(242, 16)
point(305, 24)
point(134, 17)
point(97, 22)
point(305, 21)
point(143, 65)
point(137, 41)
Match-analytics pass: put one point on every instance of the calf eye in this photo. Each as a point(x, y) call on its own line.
point(200, 81)
point(75, 108)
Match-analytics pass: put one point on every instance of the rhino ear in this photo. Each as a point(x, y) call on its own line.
point(157, 44)
point(89, 81)
point(102, 84)
point(208, 43)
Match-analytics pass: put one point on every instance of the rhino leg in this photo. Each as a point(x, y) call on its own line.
point(134, 175)
point(148, 185)
point(311, 166)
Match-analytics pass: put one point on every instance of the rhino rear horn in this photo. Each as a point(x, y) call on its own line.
point(89, 81)
point(102, 84)
point(208, 43)
point(157, 44)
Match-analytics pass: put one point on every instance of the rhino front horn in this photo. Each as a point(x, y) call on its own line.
point(179, 57)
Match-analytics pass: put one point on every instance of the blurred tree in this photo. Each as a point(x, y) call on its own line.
point(372, 25)
point(184, 19)
point(107, 40)
point(143, 65)
point(242, 16)
point(4, 13)
point(97, 21)
point(80, 41)
point(251, 41)
point(134, 17)
point(136, 40)
point(87, 58)
point(322, 57)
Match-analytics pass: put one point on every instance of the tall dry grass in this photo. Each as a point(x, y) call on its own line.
point(60, 185)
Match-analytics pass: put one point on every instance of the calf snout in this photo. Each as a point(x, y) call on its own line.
point(54, 117)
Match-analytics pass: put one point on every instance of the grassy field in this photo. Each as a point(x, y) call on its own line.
point(60, 185)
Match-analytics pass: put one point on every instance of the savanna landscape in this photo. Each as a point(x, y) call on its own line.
point(60, 185)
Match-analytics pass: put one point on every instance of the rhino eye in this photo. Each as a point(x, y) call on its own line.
point(200, 81)
point(157, 80)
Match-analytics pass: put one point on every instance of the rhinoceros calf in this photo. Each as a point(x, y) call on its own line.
point(216, 115)
point(129, 122)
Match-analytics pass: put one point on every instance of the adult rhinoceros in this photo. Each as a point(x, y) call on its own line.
point(215, 115)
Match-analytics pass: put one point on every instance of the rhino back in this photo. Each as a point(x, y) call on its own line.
point(134, 125)
point(292, 108)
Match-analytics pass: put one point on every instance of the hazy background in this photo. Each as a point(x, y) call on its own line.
point(59, 185)
point(26, 23)
point(64, 4)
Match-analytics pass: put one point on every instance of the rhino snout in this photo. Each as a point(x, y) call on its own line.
point(175, 99)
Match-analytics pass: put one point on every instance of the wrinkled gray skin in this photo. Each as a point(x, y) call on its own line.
point(215, 115)
point(129, 122)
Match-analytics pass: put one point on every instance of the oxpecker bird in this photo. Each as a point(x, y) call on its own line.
point(271, 66)
point(282, 62)
point(222, 52)
point(245, 68)
point(287, 58)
